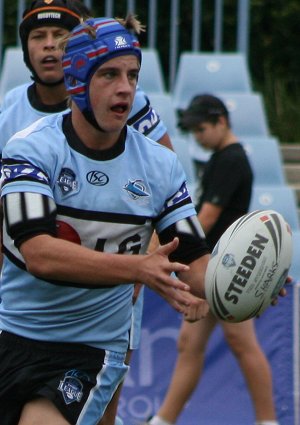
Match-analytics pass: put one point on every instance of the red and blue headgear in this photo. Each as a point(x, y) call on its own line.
point(84, 53)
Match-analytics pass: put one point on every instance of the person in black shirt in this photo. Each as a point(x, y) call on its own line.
point(223, 196)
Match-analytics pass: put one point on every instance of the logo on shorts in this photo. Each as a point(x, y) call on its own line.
point(71, 388)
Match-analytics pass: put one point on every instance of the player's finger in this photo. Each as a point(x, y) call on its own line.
point(168, 248)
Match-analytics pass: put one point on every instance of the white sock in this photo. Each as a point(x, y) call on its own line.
point(267, 423)
point(156, 420)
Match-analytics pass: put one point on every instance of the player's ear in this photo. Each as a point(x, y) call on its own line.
point(222, 120)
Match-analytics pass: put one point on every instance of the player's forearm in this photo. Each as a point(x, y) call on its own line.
point(57, 259)
point(195, 276)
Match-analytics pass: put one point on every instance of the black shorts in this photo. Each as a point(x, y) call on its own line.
point(78, 379)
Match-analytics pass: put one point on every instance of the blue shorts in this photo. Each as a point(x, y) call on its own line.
point(79, 380)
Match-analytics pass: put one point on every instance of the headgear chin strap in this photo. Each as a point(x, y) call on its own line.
point(85, 52)
point(57, 13)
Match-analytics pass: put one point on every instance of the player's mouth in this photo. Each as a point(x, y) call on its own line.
point(50, 60)
point(120, 108)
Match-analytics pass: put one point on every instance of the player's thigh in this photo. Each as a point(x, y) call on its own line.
point(240, 335)
point(193, 337)
point(41, 411)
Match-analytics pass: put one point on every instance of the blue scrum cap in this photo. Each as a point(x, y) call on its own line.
point(91, 44)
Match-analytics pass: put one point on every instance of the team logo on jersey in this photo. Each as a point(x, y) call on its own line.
point(67, 181)
point(71, 388)
point(136, 189)
point(97, 178)
point(23, 171)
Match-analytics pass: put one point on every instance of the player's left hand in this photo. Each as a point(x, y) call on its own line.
point(283, 291)
point(196, 310)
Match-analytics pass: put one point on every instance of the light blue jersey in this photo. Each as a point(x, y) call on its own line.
point(18, 113)
point(110, 203)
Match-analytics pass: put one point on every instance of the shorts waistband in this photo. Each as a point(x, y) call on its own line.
point(13, 339)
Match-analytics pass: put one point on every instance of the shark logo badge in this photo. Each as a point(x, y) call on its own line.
point(136, 189)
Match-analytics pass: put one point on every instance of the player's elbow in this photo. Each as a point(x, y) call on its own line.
point(36, 257)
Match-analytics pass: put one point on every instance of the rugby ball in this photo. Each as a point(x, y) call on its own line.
point(248, 266)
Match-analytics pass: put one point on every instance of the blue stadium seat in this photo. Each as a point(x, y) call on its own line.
point(163, 105)
point(151, 75)
point(180, 145)
point(209, 73)
point(14, 71)
point(247, 113)
point(281, 198)
point(265, 158)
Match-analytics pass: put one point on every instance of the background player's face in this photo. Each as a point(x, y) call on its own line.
point(43, 53)
point(210, 135)
point(112, 91)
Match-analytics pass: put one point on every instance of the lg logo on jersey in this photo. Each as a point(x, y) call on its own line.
point(97, 178)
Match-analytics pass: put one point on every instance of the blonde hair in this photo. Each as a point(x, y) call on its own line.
point(131, 23)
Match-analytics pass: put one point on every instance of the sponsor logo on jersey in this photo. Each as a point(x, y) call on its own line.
point(67, 181)
point(27, 171)
point(71, 388)
point(97, 178)
point(136, 189)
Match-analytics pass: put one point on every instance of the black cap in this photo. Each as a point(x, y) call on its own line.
point(203, 108)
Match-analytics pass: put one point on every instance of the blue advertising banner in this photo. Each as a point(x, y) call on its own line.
point(221, 397)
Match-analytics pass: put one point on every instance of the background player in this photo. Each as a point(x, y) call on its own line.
point(225, 192)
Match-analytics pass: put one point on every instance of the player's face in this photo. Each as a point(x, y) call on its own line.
point(43, 53)
point(112, 91)
point(209, 135)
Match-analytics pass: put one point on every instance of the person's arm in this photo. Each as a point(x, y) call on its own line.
point(195, 278)
point(208, 215)
point(52, 258)
point(166, 141)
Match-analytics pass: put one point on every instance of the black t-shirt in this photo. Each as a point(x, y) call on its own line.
point(226, 182)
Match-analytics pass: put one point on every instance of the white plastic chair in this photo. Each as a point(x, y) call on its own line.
point(247, 113)
point(151, 75)
point(265, 158)
point(163, 105)
point(281, 198)
point(209, 73)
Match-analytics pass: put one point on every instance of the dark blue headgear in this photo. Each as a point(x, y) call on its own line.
point(85, 53)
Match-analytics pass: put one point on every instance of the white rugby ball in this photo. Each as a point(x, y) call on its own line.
point(248, 266)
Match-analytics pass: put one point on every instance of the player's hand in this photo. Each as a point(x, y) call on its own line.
point(197, 310)
point(283, 291)
point(156, 270)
